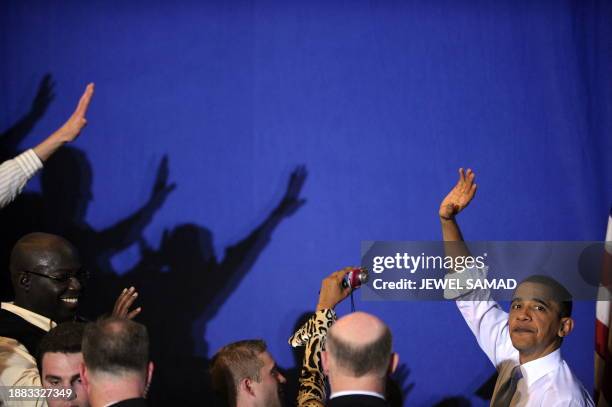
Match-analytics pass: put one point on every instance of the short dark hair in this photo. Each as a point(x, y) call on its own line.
point(116, 346)
point(64, 338)
point(234, 362)
point(370, 358)
point(560, 294)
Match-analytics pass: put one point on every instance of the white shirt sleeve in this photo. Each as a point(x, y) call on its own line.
point(15, 173)
point(487, 321)
point(489, 324)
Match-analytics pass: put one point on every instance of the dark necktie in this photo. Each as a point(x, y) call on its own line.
point(507, 390)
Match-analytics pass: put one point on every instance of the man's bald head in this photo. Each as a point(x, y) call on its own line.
point(46, 275)
point(38, 250)
point(360, 345)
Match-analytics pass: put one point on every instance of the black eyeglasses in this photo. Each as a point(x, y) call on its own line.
point(81, 276)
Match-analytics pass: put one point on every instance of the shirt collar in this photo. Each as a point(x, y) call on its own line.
point(540, 367)
point(356, 392)
point(38, 320)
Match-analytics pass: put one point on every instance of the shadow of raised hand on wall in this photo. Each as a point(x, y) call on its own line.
point(181, 286)
point(61, 209)
point(14, 135)
point(66, 187)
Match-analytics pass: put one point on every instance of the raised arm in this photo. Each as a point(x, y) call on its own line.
point(487, 321)
point(15, 173)
point(457, 199)
point(69, 130)
point(311, 391)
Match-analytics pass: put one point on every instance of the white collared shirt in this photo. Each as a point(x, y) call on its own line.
point(38, 320)
point(547, 381)
point(356, 393)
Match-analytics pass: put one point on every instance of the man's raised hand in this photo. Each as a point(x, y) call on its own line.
point(124, 303)
point(69, 130)
point(75, 123)
point(460, 196)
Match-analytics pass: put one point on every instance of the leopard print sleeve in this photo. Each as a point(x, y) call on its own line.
point(311, 392)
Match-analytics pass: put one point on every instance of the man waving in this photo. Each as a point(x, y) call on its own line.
point(524, 344)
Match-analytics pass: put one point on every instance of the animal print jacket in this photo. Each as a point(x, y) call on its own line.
point(311, 392)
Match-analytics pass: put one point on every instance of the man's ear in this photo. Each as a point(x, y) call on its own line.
point(325, 362)
point(24, 281)
point(84, 376)
point(567, 325)
point(150, 369)
point(246, 387)
point(393, 362)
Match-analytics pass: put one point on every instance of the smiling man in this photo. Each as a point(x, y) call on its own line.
point(524, 345)
point(47, 276)
point(47, 280)
point(59, 361)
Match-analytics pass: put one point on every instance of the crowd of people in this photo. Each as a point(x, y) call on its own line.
point(50, 356)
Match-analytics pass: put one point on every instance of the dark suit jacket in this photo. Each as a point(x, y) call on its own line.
point(131, 403)
point(357, 400)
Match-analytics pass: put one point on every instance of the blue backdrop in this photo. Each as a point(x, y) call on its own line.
point(381, 101)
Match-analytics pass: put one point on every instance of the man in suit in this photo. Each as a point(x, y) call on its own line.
point(358, 357)
point(357, 360)
point(116, 370)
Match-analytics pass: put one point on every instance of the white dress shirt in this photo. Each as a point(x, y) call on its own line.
point(547, 381)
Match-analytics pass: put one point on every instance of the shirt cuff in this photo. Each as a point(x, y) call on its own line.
point(29, 163)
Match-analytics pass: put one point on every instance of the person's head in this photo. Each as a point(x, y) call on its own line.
point(59, 359)
point(116, 354)
point(188, 247)
point(245, 374)
point(66, 184)
point(540, 317)
point(358, 353)
point(47, 276)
